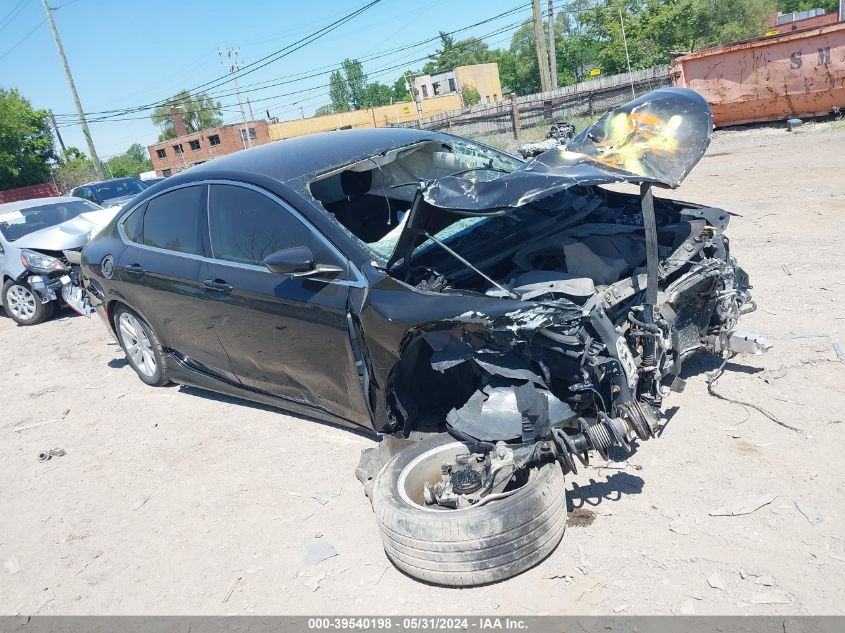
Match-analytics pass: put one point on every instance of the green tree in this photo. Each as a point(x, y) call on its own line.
point(576, 50)
point(356, 83)
point(338, 92)
point(73, 168)
point(323, 110)
point(471, 96)
point(656, 28)
point(518, 70)
point(400, 88)
point(26, 142)
point(377, 94)
point(454, 53)
point(131, 163)
point(350, 90)
point(199, 112)
point(789, 6)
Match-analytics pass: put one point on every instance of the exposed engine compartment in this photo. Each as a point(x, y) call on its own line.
point(574, 305)
point(583, 367)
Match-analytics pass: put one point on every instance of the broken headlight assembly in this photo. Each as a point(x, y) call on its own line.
point(40, 263)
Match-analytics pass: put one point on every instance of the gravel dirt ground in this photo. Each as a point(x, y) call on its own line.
point(176, 500)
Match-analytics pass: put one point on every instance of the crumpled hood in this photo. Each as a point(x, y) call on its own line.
point(656, 138)
point(74, 233)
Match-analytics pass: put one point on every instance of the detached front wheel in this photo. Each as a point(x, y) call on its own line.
point(467, 546)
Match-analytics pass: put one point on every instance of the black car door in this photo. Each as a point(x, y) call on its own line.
point(160, 271)
point(284, 335)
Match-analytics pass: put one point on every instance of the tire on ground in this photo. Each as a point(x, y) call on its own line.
point(160, 377)
point(43, 311)
point(474, 546)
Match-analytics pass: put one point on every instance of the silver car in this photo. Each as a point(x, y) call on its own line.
point(40, 244)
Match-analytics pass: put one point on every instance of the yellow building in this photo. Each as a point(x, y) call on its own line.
point(381, 116)
point(482, 77)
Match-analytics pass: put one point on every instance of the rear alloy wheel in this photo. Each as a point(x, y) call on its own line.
point(141, 346)
point(467, 546)
point(24, 305)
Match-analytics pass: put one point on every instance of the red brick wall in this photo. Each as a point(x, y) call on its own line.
point(44, 190)
point(230, 142)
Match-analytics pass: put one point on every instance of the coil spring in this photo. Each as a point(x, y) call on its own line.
point(599, 436)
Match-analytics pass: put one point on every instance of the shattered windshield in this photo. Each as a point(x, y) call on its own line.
point(371, 198)
point(16, 224)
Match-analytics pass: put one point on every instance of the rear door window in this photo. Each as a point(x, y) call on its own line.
point(132, 224)
point(173, 221)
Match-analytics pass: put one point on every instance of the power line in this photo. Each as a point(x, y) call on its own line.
point(325, 70)
point(259, 63)
point(373, 73)
point(34, 29)
point(23, 39)
point(11, 15)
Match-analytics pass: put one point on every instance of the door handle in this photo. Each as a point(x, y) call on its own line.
point(218, 285)
point(135, 269)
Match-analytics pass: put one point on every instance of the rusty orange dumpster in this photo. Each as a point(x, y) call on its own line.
point(801, 73)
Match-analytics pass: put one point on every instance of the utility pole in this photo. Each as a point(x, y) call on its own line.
point(627, 58)
point(552, 53)
point(56, 128)
point(540, 45)
point(841, 10)
point(98, 167)
point(232, 62)
point(249, 105)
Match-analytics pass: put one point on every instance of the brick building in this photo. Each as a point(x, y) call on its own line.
point(177, 154)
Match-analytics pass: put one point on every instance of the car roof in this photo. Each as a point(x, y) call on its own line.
point(100, 182)
point(305, 156)
point(35, 202)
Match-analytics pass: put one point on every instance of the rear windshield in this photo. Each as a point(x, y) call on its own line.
point(117, 189)
point(16, 224)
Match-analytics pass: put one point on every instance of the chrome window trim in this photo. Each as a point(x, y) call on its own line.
point(358, 282)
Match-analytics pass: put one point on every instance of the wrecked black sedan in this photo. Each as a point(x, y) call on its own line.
point(494, 320)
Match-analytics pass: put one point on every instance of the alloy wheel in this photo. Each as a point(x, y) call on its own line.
point(21, 302)
point(137, 344)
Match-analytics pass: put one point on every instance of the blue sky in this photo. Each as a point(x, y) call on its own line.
point(127, 53)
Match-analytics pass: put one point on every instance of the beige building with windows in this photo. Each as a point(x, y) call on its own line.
point(482, 77)
point(380, 116)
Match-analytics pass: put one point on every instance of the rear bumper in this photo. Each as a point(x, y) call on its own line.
point(98, 305)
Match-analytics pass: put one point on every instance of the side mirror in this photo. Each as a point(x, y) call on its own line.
point(298, 261)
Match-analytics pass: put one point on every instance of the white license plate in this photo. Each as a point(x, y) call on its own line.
point(65, 279)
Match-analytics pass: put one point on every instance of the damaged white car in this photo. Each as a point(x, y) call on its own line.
point(40, 245)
